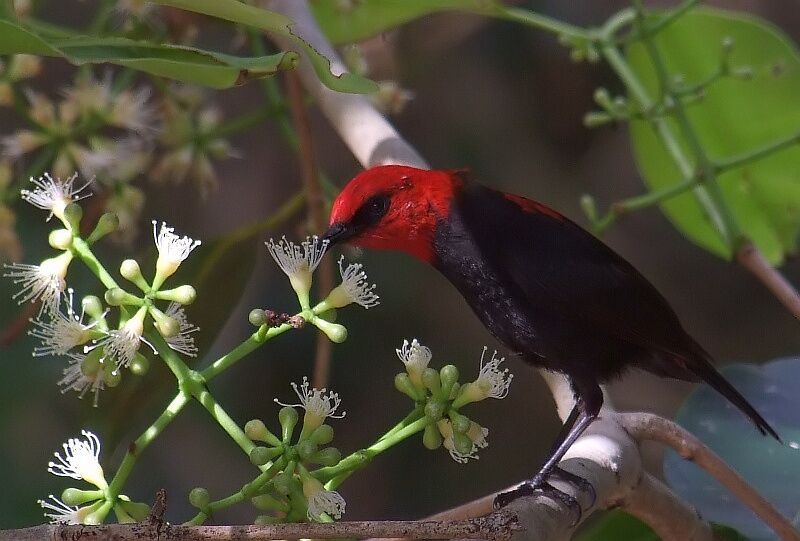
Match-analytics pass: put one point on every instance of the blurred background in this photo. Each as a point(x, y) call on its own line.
point(499, 99)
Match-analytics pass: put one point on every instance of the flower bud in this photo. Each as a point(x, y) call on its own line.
point(288, 418)
point(402, 382)
point(60, 239)
point(130, 270)
point(91, 363)
point(140, 365)
point(184, 294)
point(265, 502)
point(431, 438)
point(72, 216)
point(137, 510)
point(167, 326)
point(285, 483)
point(449, 377)
point(199, 497)
point(257, 317)
point(261, 455)
point(257, 431)
point(462, 443)
point(111, 374)
point(117, 297)
point(108, 223)
point(330, 456)
point(460, 422)
point(74, 496)
point(92, 306)
point(306, 449)
point(430, 378)
point(322, 435)
point(336, 333)
point(434, 410)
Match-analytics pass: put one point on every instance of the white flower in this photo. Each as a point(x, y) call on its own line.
point(415, 357)
point(172, 251)
point(318, 403)
point(298, 262)
point(61, 513)
point(321, 501)
point(130, 110)
point(183, 342)
point(121, 345)
point(493, 381)
point(476, 433)
point(62, 333)
point(76, 379)
point(354, 288)
point(20, 143)
point(45, 282)
point(54, 194)
point(81, 460)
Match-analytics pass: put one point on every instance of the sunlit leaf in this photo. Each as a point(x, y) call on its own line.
point(773, 469)
point(267, 21)
point(216, 70)
point(735, 116)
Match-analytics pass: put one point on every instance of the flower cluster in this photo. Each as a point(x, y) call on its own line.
point(440, 396)
point(299, 261)
point(96, 352)
point(288, 492)
point(81, 461)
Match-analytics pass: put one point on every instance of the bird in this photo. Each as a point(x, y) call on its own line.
point(547, 289)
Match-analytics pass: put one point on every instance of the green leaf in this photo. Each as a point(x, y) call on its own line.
point(618, 525)
point(267, 21)
point(367, 18)
point(216, 70)
point(772, 468)
point(735, 117)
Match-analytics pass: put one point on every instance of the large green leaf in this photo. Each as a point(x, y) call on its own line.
point(267, 21)
point(772, 468)
point(189, 64)
point(736, 116)
point(368, 18)
point(617, 526)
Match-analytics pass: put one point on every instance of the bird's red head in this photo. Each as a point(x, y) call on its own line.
point(393, 207)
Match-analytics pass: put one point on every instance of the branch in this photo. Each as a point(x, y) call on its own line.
point(646, 426)
point(751, 258)
point(498, 527)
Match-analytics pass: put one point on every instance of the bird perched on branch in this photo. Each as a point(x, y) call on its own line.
point(547, 289)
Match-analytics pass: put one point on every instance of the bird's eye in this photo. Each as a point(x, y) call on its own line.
point(372, 211)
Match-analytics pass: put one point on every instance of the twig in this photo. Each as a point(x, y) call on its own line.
point(498, 527)
point(315, 200)
point(647, 426)
point(750, 257)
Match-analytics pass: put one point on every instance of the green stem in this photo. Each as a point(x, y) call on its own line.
point(668, 19)
point(182, 373)
point(81, 249)
point(245, 493)
point(225, 421)
point(756, 154)
point(141, 443)
point(229, 359)
point(411, 417)
point(535, 20)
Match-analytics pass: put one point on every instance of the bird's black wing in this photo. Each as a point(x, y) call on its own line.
point(563, 269)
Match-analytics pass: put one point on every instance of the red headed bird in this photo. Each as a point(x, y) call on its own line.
point(547, 289)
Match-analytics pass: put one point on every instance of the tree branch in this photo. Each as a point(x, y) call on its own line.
point(751, 258)
point(647, 426)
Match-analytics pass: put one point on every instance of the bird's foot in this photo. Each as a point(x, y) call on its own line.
point(539, 485)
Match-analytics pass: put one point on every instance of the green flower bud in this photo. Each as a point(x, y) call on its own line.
point(602, 98)
point(430, 378)
point(167, 326)
point(329, 315)
point(60, 239)
point(306, 449)
point(288, 417)
point(265, 502)
point(431, 438)
point(72, 216)
point(96, 517)
point(136, 510)
point(434, 410)
point(448, 376)
point(336, 333)
point(74, 496)
point(184, 294)
point(111, 374)
point(117, 297)
point(454, 391)
point(595, 119)
point(330, 456)
point(199, 497)
point(261, 455)
point(257, 317)
point(462, 443)
point(460, 422)
point(257, 431)
point(94, 307)
point(140, 365)
point(403, 384)
point(91, 363)
point(108, 223)
point(130, 270)
point(285, 483)
point(322, 435)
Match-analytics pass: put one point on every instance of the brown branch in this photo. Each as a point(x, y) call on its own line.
point(497, 527)
point(751, 258)
point(647, 426)
point(316, 211)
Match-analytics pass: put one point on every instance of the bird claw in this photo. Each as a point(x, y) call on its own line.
point(537, 484)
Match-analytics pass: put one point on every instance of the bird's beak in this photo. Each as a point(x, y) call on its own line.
point(337, 233)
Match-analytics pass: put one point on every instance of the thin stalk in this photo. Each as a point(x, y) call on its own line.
point(224, 420)
point(229, 359)
point(535, 20)
point(756, 154)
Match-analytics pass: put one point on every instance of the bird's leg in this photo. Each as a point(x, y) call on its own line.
point(587, 407)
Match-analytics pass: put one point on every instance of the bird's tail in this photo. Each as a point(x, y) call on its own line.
point(700, 365)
